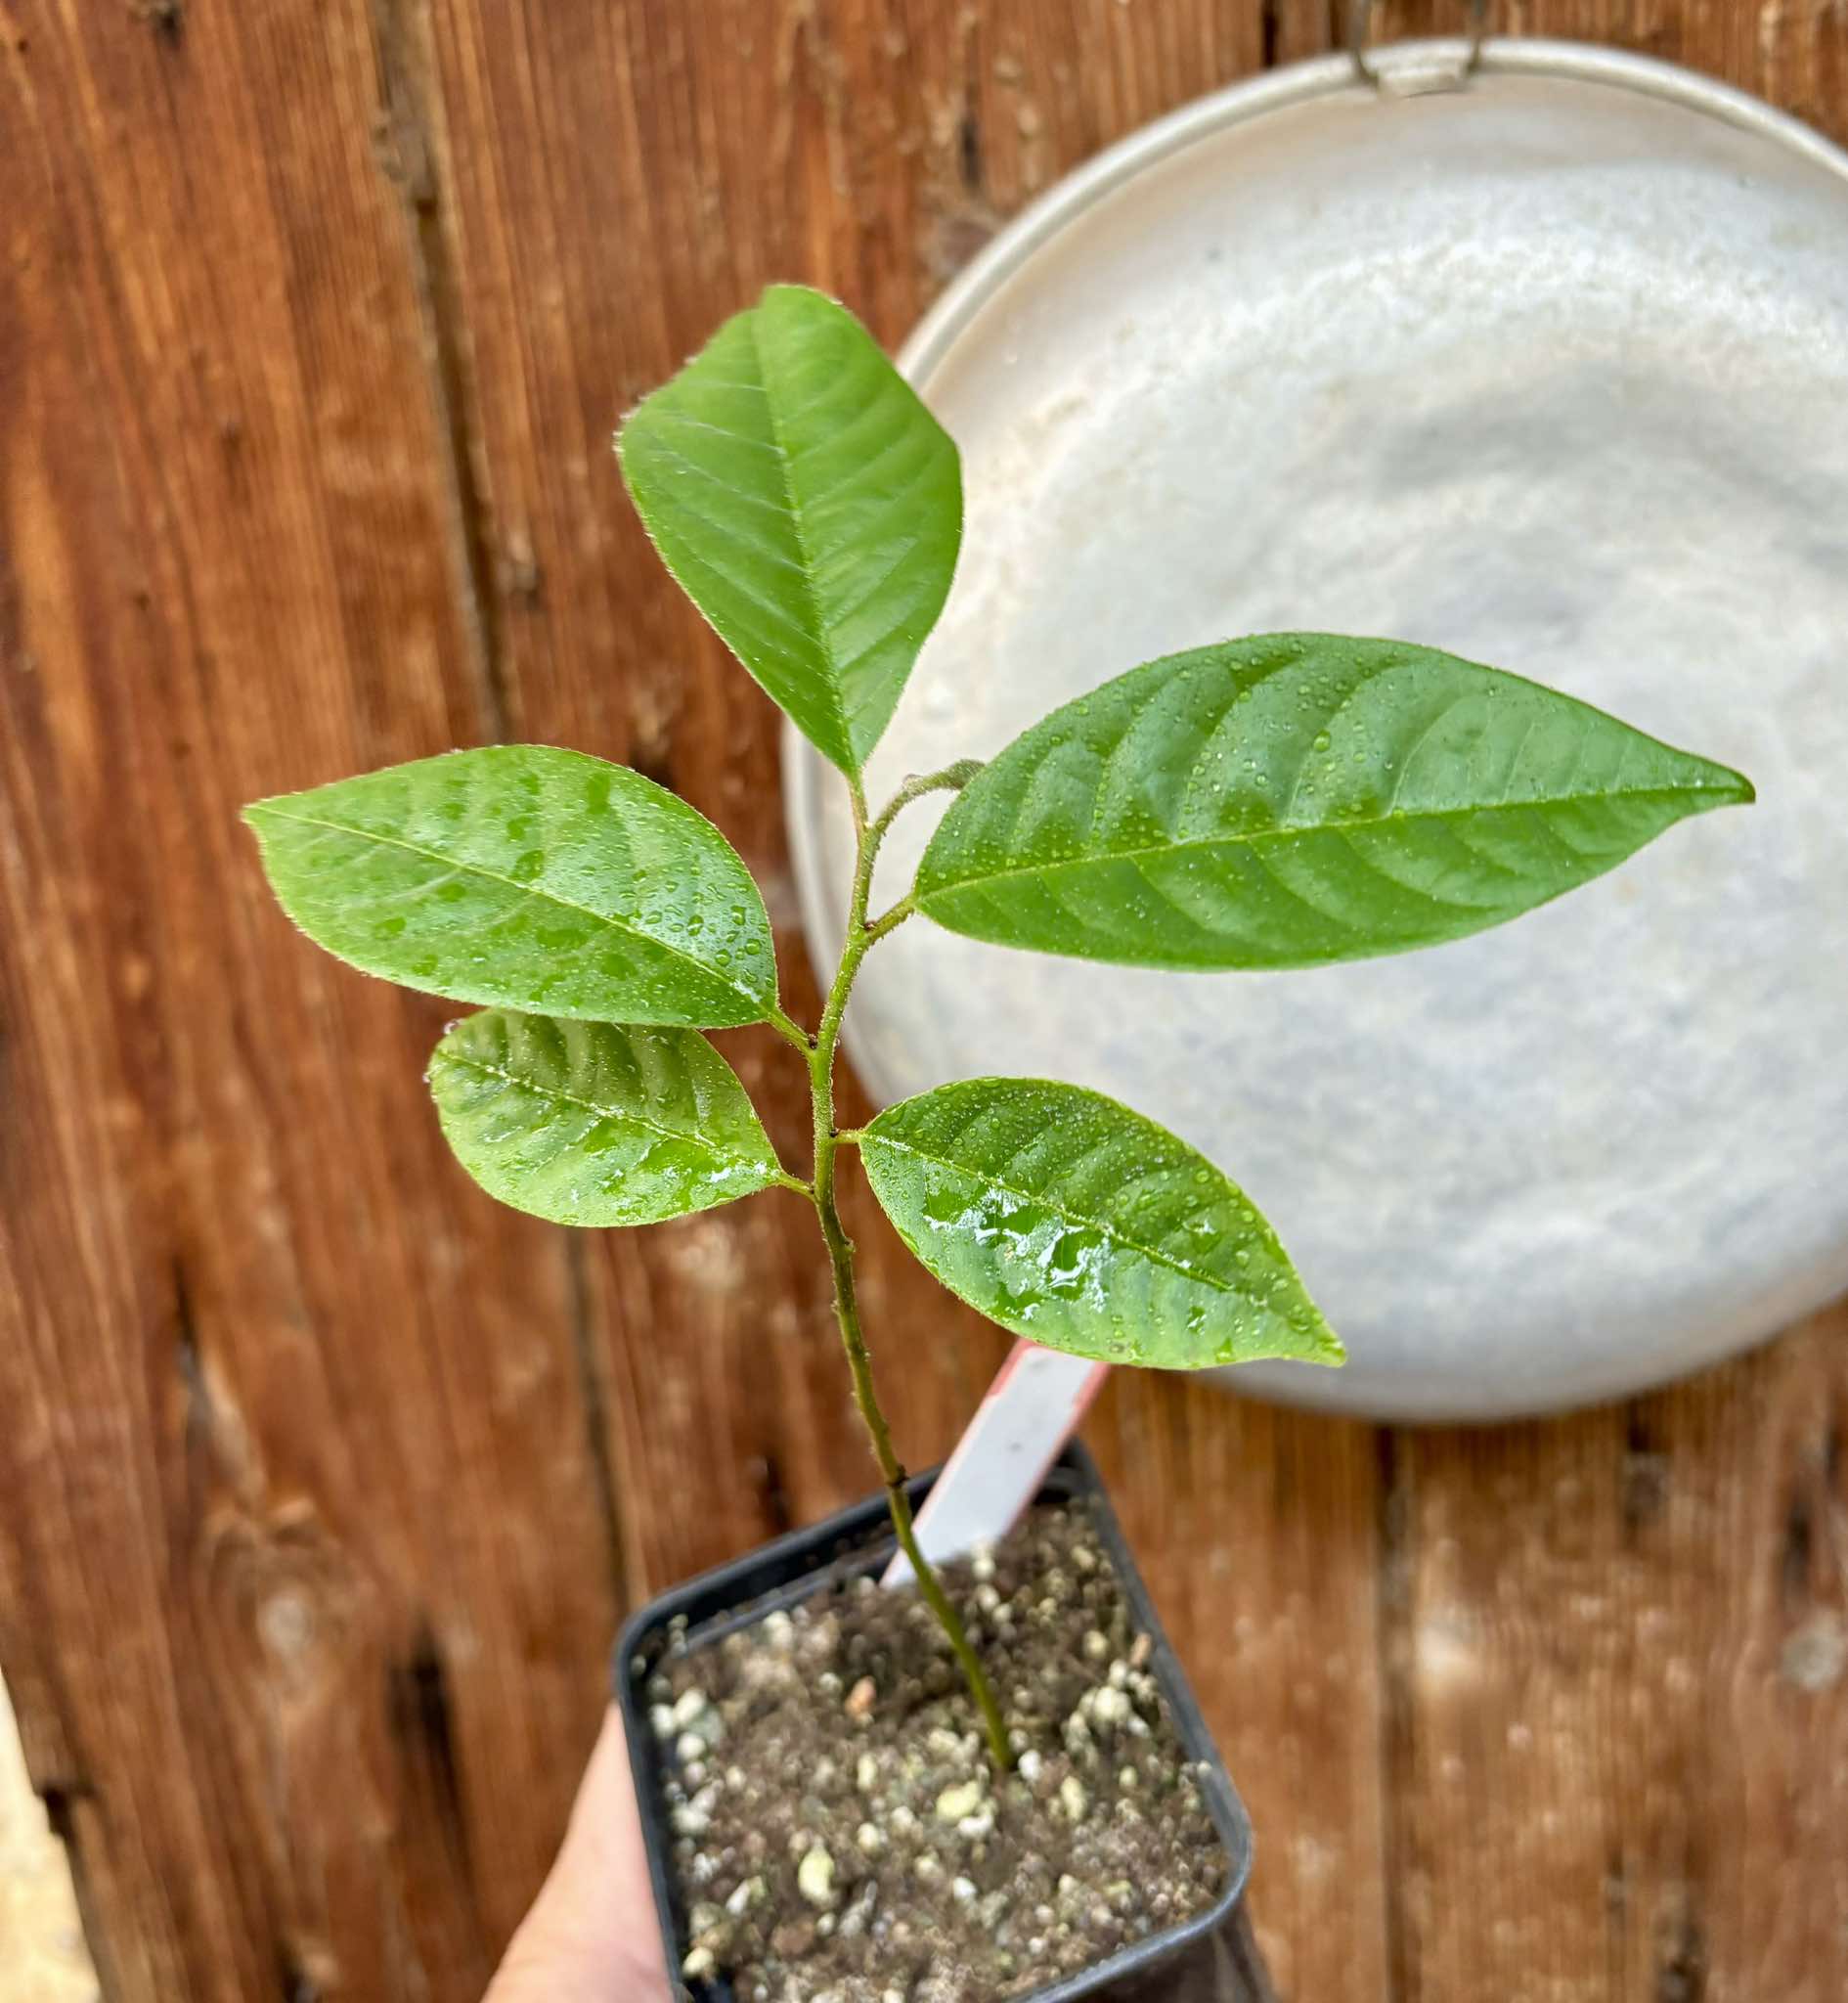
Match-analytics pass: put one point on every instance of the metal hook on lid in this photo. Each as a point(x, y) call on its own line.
point(1359, 18)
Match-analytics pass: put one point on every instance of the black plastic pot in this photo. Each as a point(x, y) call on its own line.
point(1211, 1959)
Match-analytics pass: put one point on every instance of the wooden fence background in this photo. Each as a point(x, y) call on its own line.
point(322, 1482)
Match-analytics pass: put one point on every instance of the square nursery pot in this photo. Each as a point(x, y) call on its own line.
point(1208, 1959)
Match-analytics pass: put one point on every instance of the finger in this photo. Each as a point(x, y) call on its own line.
point(590, 1937)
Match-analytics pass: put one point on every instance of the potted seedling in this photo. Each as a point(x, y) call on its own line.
point(992, 1784)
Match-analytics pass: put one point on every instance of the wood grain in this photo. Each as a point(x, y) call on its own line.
point(322, 1481)
point(300, 1686)
point(1618, 1731)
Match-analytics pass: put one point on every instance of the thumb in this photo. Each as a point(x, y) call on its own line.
point(590, 1937)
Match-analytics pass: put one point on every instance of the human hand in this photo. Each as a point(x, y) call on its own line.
point(591, 1936)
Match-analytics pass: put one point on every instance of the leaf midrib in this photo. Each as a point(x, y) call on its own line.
point(831, 679)
point(1261, 836)
point(483, 1069)
point(538, 895)
point(1065, 1216)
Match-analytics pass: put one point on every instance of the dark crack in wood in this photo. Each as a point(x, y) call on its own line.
point(593, 1395)
point(1397, 1703)
point(408, 157)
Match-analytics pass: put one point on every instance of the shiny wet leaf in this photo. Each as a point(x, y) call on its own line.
point(589, 1123)
point(529, 876)
point(809, 505)
point(1298, 799)
point(1076, 1221)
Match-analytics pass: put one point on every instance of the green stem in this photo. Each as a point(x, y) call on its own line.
point(861, 938)
point(951, 779)
point(891, 920)
point(791, 1032)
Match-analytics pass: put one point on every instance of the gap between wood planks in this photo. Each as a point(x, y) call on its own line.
point(408, 153)
point(408, 156)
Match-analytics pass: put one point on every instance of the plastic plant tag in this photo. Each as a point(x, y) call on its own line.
point(1021, 1427)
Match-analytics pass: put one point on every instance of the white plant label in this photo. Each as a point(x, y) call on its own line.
point(1031, 1410)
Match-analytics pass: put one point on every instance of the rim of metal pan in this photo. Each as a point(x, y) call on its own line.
point(1396, 69)
point(1626, 1316)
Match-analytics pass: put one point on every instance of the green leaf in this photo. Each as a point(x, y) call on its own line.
point(1298, 799)
point(529, 876)
point(588, 1123)
point(809, 506)
point(1067, 1217)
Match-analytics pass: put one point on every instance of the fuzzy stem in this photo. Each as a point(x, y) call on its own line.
point(827, 1140)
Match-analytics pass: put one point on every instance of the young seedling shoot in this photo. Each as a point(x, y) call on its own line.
point(1285, 801)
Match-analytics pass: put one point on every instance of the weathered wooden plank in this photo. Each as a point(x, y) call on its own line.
point(1619, 1749)
point(303, 1554)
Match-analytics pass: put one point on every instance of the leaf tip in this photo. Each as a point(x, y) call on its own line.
point(1329, 1352)
point(1719, 785)
point(1738, 790)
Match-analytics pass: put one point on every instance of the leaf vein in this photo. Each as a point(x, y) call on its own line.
point(559, 1094)
point(1048, 1201)
point(785, 468)
point(1261, 836)
point(534, 891)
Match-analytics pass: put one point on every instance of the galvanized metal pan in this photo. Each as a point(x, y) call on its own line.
point(1549, 367)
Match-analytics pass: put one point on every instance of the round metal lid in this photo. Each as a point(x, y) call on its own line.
point(1550, 370)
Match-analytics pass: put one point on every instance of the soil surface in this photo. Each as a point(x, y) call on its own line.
point(840, 1833)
